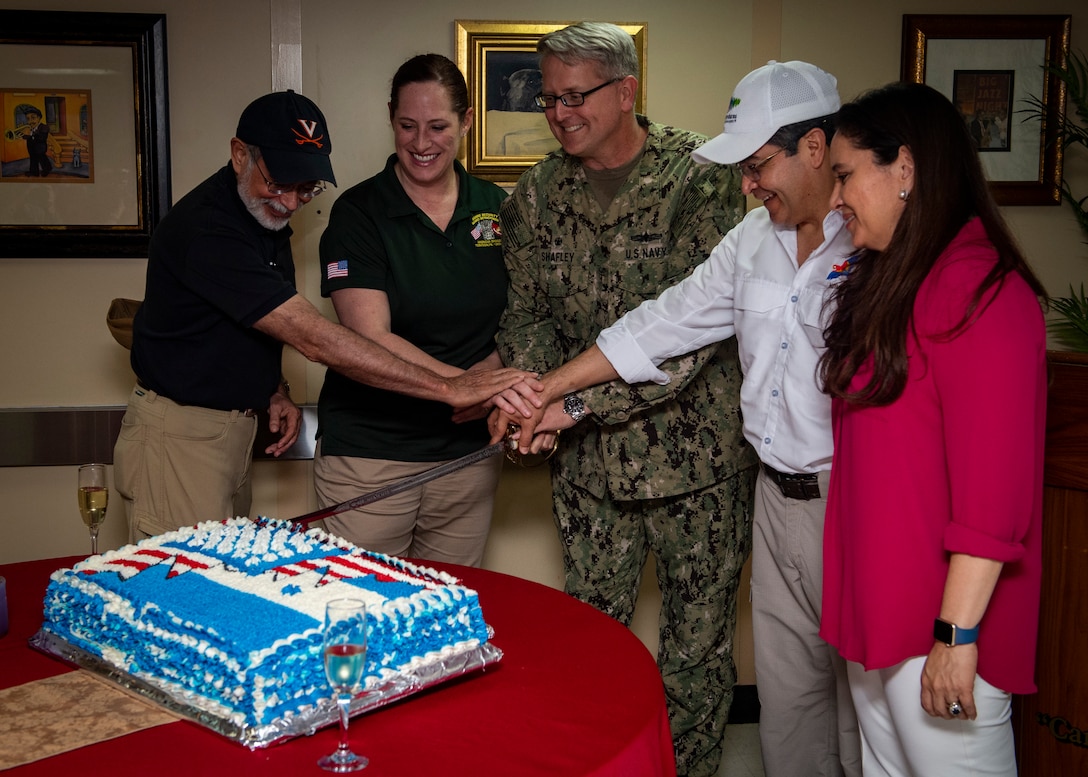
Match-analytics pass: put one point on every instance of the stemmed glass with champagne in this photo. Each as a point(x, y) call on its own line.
point(93, 498)
point(345, 659)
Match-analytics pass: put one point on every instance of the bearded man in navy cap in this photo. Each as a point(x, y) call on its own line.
point(220, 300)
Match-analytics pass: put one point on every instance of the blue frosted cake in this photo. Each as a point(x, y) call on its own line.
point(230, 614)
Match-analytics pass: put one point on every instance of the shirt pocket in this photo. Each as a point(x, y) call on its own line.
point(567, 283)
point(810, 312)
point(760, 298)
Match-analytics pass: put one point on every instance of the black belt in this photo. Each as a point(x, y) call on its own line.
point(795, 486)
point(247, 413)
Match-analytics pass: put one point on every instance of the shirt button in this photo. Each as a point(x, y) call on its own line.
point(793, 298)
point(774, 393)
point(766, 440)
point(785, 346)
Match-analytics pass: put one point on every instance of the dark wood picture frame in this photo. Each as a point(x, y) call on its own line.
point(991, 39)
point(145, 36)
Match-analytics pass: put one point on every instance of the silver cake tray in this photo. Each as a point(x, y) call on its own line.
point(305, 722)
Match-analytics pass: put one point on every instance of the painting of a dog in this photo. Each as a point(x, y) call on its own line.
point(519, 90)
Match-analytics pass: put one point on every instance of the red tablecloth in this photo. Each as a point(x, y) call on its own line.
point(575, 694)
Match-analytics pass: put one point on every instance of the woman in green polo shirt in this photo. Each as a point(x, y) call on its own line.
point(412, 259)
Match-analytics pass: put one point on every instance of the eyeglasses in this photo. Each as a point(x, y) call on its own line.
point(304, 191)
point(570, 99)
point(751, 170)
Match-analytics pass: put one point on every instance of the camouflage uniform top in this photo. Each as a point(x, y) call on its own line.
point(574, 269)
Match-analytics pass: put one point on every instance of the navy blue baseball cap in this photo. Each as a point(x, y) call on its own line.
point(292, 134)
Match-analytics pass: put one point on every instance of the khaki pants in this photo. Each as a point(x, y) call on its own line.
point(807, 724)
point(445, 520)
point(177, 465)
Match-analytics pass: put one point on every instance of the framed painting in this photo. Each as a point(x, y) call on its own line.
point(84, 154)
point(48, 136)
point(989, 66)
point(510, 133)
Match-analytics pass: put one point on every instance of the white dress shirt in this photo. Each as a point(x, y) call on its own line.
point(751, 286)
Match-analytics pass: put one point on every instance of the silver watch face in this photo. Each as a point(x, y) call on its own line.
point(574, 406)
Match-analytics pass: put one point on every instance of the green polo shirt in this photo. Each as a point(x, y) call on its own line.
point(446, 292)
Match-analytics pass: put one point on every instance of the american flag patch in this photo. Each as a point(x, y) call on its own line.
point(337, 269)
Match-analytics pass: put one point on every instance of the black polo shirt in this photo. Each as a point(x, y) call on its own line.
point(213, 271)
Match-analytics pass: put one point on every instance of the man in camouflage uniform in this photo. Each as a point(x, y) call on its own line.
point(615, 217)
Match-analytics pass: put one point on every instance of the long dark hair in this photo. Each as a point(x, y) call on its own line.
point(873, 305)
point(424, 68)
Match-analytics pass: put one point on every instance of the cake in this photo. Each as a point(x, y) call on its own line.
point(229, 615)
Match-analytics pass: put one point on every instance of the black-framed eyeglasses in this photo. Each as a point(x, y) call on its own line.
point(751, 170)
point(570, 99)
point(304, 191)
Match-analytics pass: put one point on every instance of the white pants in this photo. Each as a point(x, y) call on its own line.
point(898, 738)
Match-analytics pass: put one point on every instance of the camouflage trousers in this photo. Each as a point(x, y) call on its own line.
point(700, 542)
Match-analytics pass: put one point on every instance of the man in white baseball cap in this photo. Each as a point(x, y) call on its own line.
point(776, 268)
point(766, 282)
point(766, 100)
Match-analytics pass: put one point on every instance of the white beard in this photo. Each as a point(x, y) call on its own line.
point(257, 206)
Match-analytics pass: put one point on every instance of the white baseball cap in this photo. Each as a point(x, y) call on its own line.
point(765, 100)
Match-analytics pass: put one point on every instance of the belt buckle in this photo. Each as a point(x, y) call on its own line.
point(792, 489)
point(803, 490)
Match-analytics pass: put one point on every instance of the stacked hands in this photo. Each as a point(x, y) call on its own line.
point(535, 405)
point(524, 402)
point(533, 410)
point(472, 394)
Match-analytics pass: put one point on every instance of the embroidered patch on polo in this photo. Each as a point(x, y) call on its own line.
point(486, 230)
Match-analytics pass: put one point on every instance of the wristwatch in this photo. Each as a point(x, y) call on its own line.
point(952, 635)
point(574, 407)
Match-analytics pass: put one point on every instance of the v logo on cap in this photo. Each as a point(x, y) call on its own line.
point(309, 127)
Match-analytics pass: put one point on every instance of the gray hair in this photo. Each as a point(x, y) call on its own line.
point(610, 46)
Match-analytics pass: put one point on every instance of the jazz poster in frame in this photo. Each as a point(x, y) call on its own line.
point(96, 82)
point(989, 66)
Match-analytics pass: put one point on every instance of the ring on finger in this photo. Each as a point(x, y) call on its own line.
point(954, 708)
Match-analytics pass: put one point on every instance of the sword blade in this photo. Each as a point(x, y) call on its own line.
point(403, 485)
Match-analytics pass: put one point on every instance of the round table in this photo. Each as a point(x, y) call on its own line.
point(576, 693)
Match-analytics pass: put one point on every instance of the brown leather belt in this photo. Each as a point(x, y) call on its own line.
point(795, 486)
point(247, 413)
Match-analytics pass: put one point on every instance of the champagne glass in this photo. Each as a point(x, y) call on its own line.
point(345, 659)
point(93, 498)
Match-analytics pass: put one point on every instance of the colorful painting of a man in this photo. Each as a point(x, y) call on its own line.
point(36, 136)
point(46, 135)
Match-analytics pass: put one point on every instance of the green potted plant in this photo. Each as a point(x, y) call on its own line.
point(1071, 326)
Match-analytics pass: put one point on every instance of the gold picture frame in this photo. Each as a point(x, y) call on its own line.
point(1012, 57)
point(498, 59)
